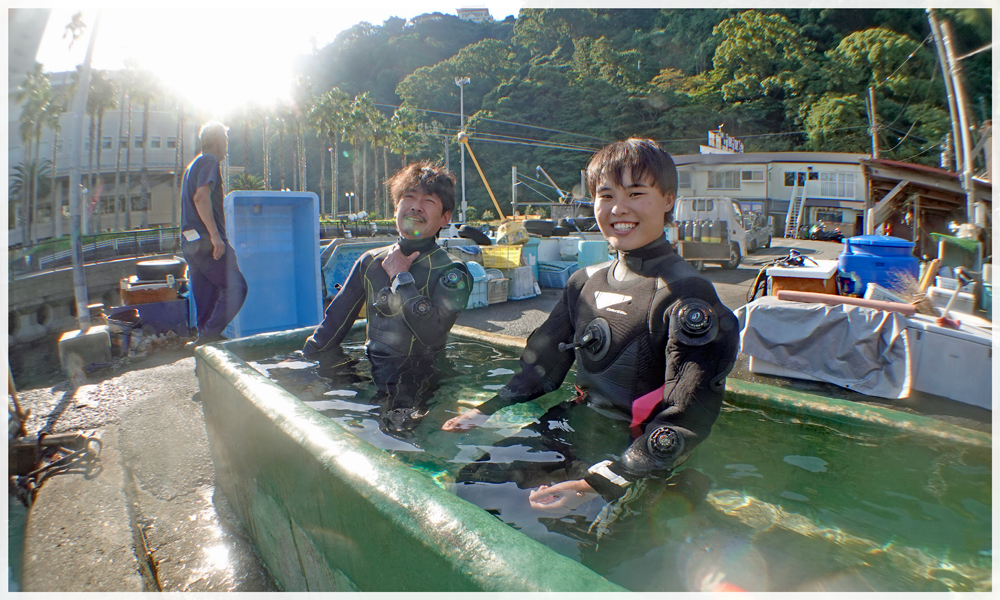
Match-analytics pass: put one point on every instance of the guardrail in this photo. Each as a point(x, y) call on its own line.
point(50, 255)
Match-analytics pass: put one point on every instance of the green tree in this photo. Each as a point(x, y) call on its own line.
point(329, 117)
point(147, 90)
point(103, 97)
point(35, 94)
point(248, 181)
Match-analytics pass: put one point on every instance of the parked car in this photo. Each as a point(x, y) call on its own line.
point(758, 231)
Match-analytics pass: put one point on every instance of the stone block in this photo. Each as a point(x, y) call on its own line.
point(78, 349)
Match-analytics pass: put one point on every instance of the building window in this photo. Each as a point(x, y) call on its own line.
point(106, 143)
point(684, 179)
point(154, 142)
point(123, 142)
point(836, 185)
point(813, 175)
point(137, 203)
point(138, 142)
point(108, 205)
point(171, 142)
point(833, 216)
point(724, 180)
point(792, 179)
point(756, 176)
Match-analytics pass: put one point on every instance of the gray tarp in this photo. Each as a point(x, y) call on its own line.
point(861, 349)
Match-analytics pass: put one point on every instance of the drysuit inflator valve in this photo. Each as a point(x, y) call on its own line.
point(594, 342)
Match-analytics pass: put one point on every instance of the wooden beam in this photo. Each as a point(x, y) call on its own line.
point(880, 211)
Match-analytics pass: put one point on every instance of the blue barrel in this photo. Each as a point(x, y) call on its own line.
point(877, 259)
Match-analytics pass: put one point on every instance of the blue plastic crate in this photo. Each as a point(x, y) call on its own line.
point(276, 237)
point(876, 259)
point(555, 274)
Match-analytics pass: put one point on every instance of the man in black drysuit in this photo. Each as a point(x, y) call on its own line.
point(413, 293)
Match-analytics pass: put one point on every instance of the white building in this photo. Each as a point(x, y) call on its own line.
point(163, 157)
point(477, 14)
point(831, 183)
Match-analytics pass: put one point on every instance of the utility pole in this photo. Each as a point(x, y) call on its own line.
point(75, 183)
point(962, 104)
point(461, 82)
point(949, 90)
point(873, 121)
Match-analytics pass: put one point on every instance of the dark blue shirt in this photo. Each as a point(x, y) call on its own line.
point(203, 170)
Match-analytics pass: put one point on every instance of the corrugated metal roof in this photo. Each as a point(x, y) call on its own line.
point(769, 157)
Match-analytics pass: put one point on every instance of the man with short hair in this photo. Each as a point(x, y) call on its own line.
point(413, 292)
point(216, 281)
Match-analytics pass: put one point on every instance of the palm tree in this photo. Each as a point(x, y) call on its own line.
point(128, 84)
point(102, 97)
point(29, 179)
point(53, 111)
point(36, 93)
point(248, 181)
point(329, 116)
point(380, 137)
point(359, 131)
point(148, 89)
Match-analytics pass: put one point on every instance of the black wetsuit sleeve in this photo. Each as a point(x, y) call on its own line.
point(695, 381)
point(430, 318)
point(543, 365)
point(342, 311)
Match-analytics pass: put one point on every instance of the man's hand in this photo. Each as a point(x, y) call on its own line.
point(218, 246)
point(465, 421)
point(396, 262)
point(567, 495)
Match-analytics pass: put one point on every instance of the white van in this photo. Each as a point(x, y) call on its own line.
point(709, 230)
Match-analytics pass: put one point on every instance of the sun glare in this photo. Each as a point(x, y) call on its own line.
point(221, 59)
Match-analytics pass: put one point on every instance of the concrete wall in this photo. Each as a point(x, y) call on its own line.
point(42, 304)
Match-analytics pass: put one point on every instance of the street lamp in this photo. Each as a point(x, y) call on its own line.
point(460, 82)
point(350, 201)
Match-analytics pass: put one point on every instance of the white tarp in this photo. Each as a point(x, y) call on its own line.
point(861, 349)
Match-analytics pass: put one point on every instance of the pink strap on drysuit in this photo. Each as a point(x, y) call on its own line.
point(643, 406)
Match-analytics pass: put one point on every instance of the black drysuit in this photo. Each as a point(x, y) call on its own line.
point(652, 354)
point(406, 328)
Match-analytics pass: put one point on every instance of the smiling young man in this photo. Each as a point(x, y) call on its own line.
point(413, 293)
point(652, 345)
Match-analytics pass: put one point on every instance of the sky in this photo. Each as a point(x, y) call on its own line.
point(220, 55)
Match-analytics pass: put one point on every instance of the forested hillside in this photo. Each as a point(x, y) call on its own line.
point(552, 86)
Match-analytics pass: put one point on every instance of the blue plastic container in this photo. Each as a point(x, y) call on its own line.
point(529, 253)
point(478, 298)
point(591, 252)
point(874, 259)
point(555, 274)
point(342, 259)
point(276, 237)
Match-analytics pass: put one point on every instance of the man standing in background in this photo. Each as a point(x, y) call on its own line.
point(216, 281)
